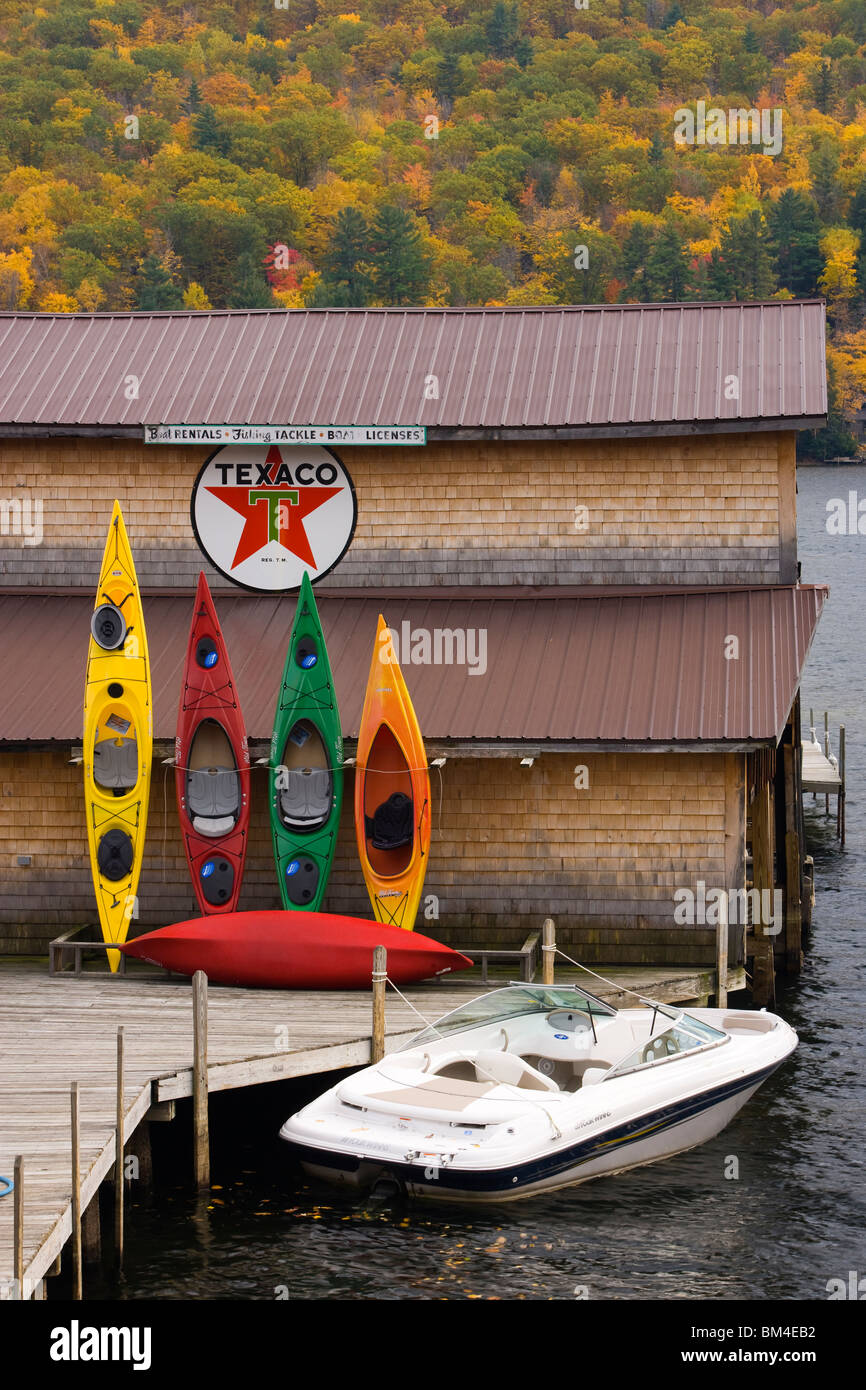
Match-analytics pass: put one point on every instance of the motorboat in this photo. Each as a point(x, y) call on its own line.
point(534, 1087)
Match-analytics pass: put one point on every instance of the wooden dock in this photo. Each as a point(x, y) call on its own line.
point(57, 1030)
point(823, 774)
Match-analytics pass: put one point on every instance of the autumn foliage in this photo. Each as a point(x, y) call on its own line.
point(181, 154)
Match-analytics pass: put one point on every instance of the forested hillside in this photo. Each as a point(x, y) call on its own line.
point(155, 155)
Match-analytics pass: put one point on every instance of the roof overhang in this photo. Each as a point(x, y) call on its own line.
point(467, 434)
point(490, 674)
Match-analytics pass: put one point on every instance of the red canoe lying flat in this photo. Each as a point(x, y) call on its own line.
point(292, 950)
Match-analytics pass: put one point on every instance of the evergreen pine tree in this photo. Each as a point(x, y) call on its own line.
point(345, 279)
point(857, 212)
point(193, 97)
point(673, 16)
point(750, 40)
point(501, 29)
point(208, 134)
point(794, 242)
point(447, 80)
point(250, 289)
point(744, 264)
point(824, 166)
point(719, 280)
point(155, 288)
point(401, 266)
point(667, 266)
point(635, 253)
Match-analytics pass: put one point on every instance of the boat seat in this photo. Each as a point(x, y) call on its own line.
point(305, 801)
point(213, 796)
point(116, 764)
point(592, 1075)
point(510, 1070)
point(390, 826)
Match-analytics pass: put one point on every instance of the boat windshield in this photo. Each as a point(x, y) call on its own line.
point(513, 1002)
point(687, 1035)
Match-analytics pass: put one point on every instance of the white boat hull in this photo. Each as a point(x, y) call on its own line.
point(464, 1141)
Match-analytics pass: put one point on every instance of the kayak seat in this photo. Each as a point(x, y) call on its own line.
point(115, 765)
point(390, 825)
point(305, 801)
point(213, 797)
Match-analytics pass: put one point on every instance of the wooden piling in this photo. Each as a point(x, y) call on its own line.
point(380, 982)
point(18, 1227)
point(722, 954)
point(77, 1261)
point(201, 1138)
point(794, 912)
point(91, 1232)
point(826, 755)
point(840, 796)
point(118, 1157)
point(548, 950)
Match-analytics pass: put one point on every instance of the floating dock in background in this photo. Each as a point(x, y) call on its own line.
point(823, 773)
point(56, 1030)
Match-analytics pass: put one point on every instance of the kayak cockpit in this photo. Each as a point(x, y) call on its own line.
point(304, 780)
point(213, 784)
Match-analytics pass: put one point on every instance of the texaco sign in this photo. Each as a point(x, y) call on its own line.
point(264, 516)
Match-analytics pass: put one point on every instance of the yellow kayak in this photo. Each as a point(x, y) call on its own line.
point(118, 737)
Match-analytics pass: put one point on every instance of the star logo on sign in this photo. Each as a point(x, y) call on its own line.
point(274, 514)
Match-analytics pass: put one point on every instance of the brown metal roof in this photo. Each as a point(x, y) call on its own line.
point(626, 668)
point(585, 368)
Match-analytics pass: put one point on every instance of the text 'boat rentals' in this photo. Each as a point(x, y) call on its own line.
point(531, 1088)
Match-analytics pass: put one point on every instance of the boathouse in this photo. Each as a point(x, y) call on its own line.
point(579, 523)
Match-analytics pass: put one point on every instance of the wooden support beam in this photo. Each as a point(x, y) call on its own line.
point(380, 984)
point(77, 1261)
point(119, 1183)
point(792, 939)
point(201, 1137)
point(722, 954)
point(763, 972)
point(840, 798)
point(91, 1232)
point(18, 1227)
point(548, 950)
point(794, 909)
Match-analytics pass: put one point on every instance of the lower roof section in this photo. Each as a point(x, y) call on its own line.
point(632, 669)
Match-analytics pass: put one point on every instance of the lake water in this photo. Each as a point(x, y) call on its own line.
point(791, 1221)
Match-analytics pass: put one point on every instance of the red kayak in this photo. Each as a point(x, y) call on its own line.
point(212, 764)
point(292, 950)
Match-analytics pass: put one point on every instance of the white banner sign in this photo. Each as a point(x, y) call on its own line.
point(285, 434)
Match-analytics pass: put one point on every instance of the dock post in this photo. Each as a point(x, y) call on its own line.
point(827, 756)
point(75, 1115)
point(118, 1157)
point(794, 913)
point(91, 1231)
point(548, 950)
point(380, 980)
point(840, 796)
point(722, 953)
point(201, 1139)
point(18, 1227)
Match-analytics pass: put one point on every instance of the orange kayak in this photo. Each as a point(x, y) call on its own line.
point(392, 792)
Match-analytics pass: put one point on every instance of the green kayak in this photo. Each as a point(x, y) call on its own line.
point(306, 763)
